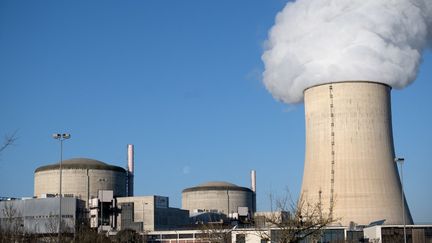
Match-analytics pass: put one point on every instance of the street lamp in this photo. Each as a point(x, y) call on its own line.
point(401, 161)
point(61, 138)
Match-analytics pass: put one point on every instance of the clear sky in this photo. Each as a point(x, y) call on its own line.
point(181, 80)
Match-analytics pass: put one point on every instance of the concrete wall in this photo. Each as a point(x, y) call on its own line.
point(250, 235)
point(349, 153)
point(40, 215)
point(144, 208)
point(395, 233)
point(170, 218)
point(373, 233)
point(224, 201)
point(156, 215)
point(82, 183)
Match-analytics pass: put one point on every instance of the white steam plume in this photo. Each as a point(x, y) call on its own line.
point(321, 41)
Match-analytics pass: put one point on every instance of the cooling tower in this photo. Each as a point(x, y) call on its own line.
point(350, 154)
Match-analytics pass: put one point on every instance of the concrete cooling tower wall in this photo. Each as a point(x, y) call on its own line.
point(350, 154)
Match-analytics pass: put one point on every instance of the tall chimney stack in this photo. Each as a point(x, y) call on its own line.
point(130, 158)
point(253, 181)
point(253, 188)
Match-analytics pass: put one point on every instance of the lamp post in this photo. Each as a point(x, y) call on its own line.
point(61, 138)
point(401, 161)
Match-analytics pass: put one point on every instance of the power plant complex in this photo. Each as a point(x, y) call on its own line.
point(349, 171)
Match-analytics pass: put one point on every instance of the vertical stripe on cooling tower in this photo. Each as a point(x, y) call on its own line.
point(332, 135)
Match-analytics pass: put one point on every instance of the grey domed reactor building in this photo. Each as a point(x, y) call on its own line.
point(349, 157)
point(81, 178)
point(218, 196)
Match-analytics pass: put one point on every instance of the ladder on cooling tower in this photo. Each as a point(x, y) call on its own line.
point(332, 139)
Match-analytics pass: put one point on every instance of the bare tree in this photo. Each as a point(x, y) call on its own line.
point(129, 235)
point(51, 227)
point(293, 222)
point(11, 224)
point(215, 232)
point(9, 139)
point(85, 234)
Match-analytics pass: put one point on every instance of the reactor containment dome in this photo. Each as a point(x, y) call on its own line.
point(81, 178)
point(221, 197)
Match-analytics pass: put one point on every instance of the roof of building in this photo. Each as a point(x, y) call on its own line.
point(81, 163)
point(217, 185)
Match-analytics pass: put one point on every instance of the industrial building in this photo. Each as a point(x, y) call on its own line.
point(395, 233)
point(149, 213)
point(139, 213)
point(40, 215)
point(349, 162)
point(333, 234)
point(82, 178)
point(236, 234)
point(220, 197)
point(107, 192)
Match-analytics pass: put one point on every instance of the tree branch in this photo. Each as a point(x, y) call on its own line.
point(8, 141)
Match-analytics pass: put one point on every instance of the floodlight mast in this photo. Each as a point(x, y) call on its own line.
point(61, 138)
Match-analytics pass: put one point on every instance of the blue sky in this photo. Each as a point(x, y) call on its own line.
point(181, 80)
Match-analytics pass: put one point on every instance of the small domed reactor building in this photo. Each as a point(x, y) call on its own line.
point(221, 197)
point(81, 178)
